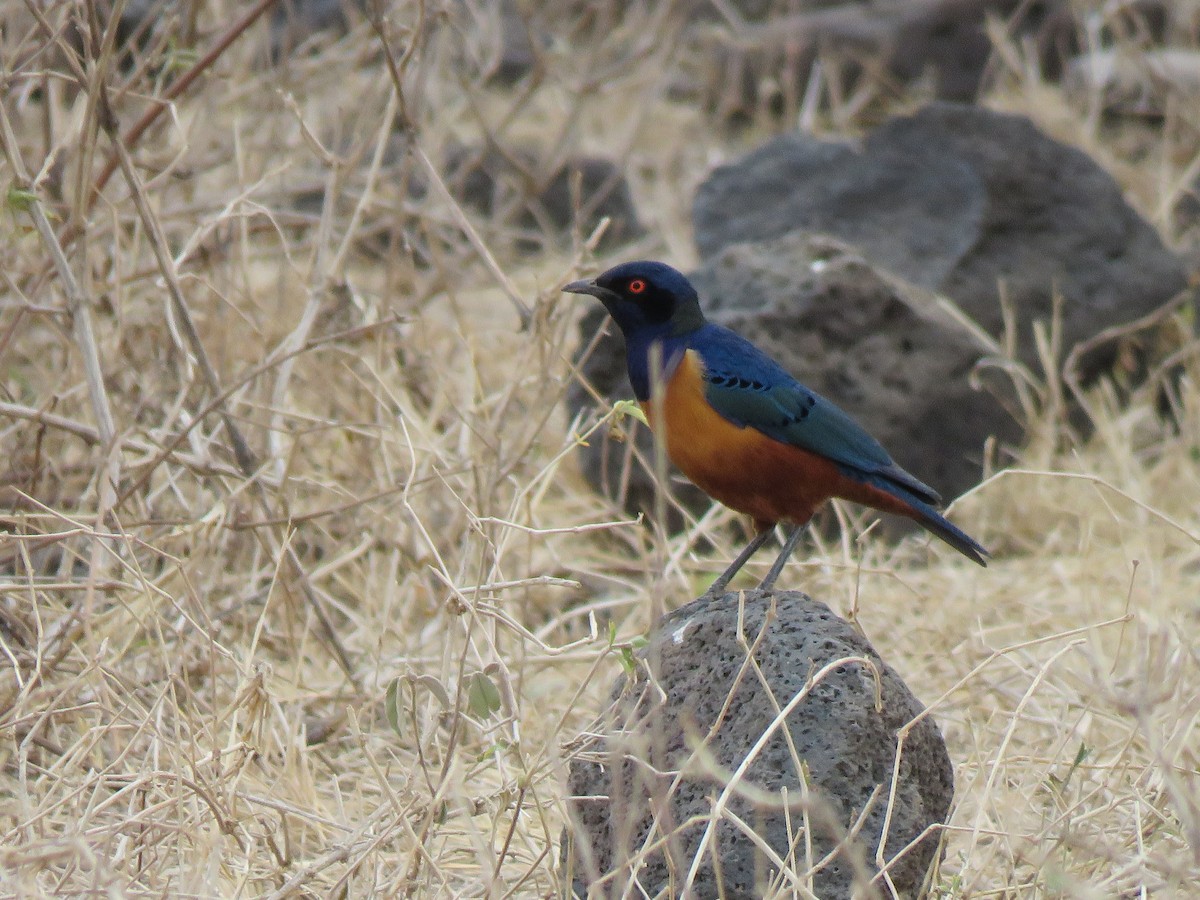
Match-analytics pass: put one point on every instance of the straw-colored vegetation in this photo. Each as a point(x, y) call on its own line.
point(351, 659)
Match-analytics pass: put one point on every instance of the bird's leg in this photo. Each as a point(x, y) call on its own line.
point(718, 586)
point(788, 547)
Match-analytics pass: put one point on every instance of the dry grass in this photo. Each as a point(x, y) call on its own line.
point(174, 718)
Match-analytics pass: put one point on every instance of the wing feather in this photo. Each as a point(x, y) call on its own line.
point(751, 390)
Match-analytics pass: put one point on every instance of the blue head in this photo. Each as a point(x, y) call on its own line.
point(647, 300)
point(653, 305)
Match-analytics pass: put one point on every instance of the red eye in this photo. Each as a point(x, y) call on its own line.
point(637, 286)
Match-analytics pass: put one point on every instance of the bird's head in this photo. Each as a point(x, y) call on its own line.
point(645, 299)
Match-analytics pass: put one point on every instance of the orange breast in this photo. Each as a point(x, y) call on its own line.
point(742, 467)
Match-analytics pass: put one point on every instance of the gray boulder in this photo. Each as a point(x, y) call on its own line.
point(964, 201)
point(818, 793)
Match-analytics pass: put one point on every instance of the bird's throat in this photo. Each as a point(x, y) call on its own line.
point(653, 359)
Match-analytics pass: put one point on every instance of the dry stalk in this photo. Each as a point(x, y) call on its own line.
point(245, 457)
point(78, 303)
point(178, 88)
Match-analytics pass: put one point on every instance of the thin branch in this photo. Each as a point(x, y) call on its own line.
point(396, 69)
point(162, 254)
point(86, 433)
point(78, 303)
point(139, 128)
point(472, 235)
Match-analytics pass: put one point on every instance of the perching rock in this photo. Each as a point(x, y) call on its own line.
point(964, 201)
point(832, 769)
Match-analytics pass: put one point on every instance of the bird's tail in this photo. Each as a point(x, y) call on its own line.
point(934, 522)
point(937, 524)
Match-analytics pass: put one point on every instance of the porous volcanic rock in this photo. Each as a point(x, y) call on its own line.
point(694, 713)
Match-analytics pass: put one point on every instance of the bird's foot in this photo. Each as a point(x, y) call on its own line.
point(768, 583)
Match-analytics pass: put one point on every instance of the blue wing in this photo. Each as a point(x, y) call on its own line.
point(751, 390)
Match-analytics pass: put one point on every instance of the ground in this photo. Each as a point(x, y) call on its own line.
point(178, 719)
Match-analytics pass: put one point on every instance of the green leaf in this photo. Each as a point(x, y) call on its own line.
point(1059, 785)
point(20, 200)
point(493, 750)
point(628, 661)
point(180, 57)
point(483, 697)
point(623, 408)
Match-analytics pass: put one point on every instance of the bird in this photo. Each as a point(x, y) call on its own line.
point(741, 428)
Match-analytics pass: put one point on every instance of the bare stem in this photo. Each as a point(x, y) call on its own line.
point(78, 303)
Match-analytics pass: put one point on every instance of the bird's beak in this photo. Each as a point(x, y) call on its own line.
point(583, 287)
point(604, 295)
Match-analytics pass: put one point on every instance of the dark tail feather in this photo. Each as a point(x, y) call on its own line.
point(934, 522)
point(937, 524)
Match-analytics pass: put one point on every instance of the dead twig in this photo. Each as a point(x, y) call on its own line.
point(245, 457)
point(78, 303)
point(134, 134)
